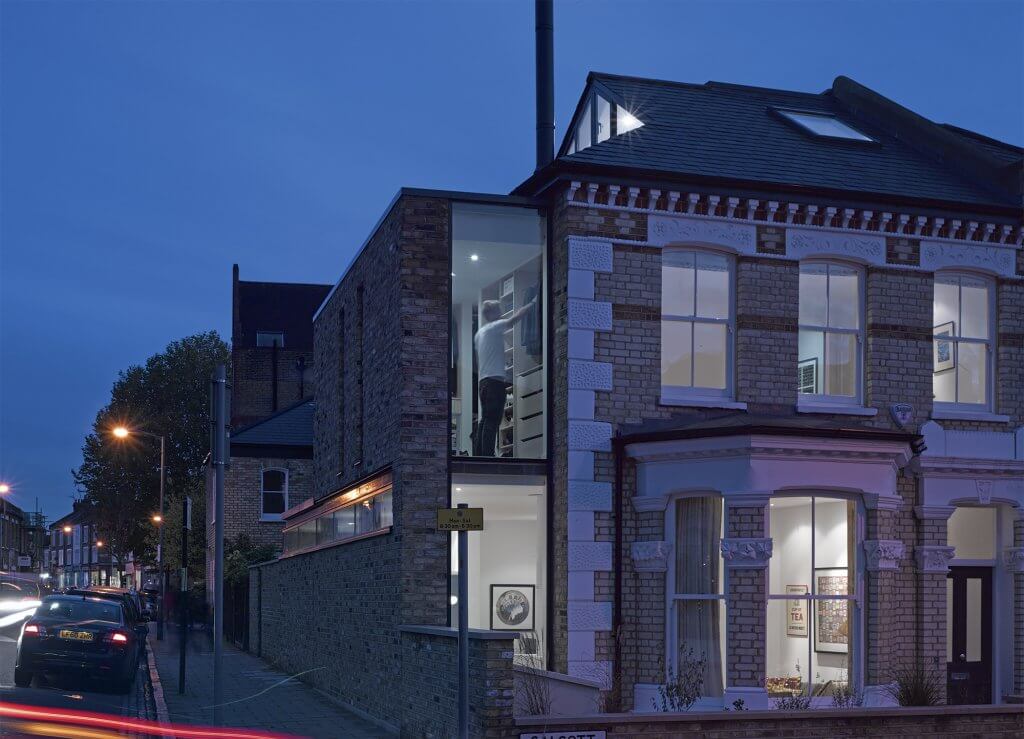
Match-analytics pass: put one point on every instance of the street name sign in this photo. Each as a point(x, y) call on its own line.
point(565, 735)
point(460, 519)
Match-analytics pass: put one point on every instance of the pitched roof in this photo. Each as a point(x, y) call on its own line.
point(732, 132)
point(292, 426)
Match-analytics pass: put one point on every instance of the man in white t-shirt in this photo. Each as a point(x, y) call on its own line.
point(490, 357)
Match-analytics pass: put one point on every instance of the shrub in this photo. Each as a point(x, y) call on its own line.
point(915, 686)
point(684, 687)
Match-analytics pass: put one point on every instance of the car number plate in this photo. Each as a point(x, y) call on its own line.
point(75, 635)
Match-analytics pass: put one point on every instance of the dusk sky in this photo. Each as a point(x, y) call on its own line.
point(147, 146)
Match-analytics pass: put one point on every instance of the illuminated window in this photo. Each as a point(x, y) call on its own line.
point(270, 338)
point(599, 120)
point(962, 342)
point(830, 340)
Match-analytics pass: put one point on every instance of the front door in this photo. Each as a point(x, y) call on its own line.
point(969, 635)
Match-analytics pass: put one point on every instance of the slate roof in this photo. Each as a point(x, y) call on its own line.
point(292, 426)
point(729, 131)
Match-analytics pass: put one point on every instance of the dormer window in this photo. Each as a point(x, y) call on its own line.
point(599, 120)
point(824, 125)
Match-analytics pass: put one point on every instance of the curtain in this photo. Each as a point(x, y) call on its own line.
point(698, 531)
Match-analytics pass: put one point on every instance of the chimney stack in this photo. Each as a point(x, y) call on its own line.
point(545, 82)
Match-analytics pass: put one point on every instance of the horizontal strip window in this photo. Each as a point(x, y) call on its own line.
point(367, 515)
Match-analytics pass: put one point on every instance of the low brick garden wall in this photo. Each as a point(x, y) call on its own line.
point(940, 721)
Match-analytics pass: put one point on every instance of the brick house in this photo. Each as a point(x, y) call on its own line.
point(738, 380)
point(271, 411)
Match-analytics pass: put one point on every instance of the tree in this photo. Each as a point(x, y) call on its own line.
point(120, 479)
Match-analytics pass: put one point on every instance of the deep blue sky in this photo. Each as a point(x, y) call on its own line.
point(146, 146)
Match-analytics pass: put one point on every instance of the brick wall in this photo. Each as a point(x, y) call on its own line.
point(253, 377)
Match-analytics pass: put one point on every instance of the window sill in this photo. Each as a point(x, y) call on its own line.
point(952, 415)
point(838, 410)
point(704, 403)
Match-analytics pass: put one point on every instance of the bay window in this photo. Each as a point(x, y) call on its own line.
point(696, 325)
point(962, 342)
point(697, 599)
point(813, 615)
point(831, 334)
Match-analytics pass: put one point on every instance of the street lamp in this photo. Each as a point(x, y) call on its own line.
point(4, 489)
point(67, 529)
point(123, 432)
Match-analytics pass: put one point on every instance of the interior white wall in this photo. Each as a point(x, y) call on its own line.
point(973, 532)
point(791, 565)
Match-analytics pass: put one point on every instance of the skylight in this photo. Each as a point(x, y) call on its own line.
point(824, 124)
point(600, 120)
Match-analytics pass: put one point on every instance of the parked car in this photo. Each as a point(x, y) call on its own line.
point(78, 633)
point(138, 616)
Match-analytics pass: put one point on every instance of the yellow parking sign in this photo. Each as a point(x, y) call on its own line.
point(460, 519)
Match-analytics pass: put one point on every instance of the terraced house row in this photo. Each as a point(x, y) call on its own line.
point(738, 380)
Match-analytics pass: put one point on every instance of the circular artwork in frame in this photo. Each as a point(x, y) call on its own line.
point(512, 607)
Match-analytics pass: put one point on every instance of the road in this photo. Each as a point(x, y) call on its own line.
point(70, 693)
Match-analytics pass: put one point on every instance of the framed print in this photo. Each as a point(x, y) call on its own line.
point(796, 612)
point(831, 617)
point(807, 375)
point(943, 347)
point(512, 607)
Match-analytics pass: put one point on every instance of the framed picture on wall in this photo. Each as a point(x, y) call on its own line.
point(512, 607)
point(943, 356)
point(796, 611)
point(807, 375)
point(831, 617)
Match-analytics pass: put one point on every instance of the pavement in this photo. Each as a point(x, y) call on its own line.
point(256, 696)
point(67, 692)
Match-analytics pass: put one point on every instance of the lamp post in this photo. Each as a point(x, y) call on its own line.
point(122, 432)
point(4, 489)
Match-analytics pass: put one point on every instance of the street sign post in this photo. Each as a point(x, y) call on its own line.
point(463, 520)
point(186, 525)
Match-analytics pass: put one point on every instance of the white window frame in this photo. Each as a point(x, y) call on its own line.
point(858, 629)
point(672, 597)
point(824, 401)
point(956, 277)
point(683, 395)
point(273, 516)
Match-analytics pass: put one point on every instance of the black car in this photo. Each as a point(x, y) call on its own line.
point(78, 633)
point(137, 616)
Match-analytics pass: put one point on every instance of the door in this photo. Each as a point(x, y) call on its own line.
point(969, 635)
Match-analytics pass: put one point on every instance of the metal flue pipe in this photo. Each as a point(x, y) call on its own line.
point(545, 29)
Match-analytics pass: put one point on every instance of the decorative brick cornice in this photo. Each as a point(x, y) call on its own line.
point(933, 558)
point(624, 312)
point(1013, 558)
point(746, 553)
point(729, 220)
point(883, 554)
point(765, 323)
point(651, 556)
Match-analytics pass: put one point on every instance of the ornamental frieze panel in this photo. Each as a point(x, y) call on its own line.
point(664, 230)
point(935, 256)
point(801, 243)
point(746, 553)
point(883, 554)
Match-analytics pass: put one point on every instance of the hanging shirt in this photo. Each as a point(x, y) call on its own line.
point(490, 348)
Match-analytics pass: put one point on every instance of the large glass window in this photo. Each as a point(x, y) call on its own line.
point(498, 332)
point(362, 510)
point(698, 604)
point(812, 629)
point(507, 560)
point(696, 324)
point(962, 343)
point(831, 333)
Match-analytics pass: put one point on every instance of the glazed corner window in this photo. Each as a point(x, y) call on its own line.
point(962, 341)
point(498, 344)
point(696, 325)
point(270, 338)
point(697, 601)
point(274, 494)
point(599, 120)
point(831, 333)
point(813, 612)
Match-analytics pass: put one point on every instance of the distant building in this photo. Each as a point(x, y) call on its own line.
point(271, 411)
point(75, 556)
point(19, 538)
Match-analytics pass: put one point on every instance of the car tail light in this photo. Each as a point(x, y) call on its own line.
point(35, 630)
point(118, 638)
